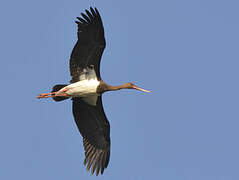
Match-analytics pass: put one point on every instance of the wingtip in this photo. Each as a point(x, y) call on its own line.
point(97, 12)
point(91, 8)
point(82, 14)
point(87, 12)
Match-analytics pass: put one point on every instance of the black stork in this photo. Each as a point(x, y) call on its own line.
point(86, 88)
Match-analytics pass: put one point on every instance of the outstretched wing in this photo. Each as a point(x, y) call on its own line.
point(95, 129)
point(89, 46)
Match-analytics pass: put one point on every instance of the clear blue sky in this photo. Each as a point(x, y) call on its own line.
point(185, 51)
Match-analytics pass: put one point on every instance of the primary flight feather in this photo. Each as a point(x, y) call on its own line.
point(86, 88)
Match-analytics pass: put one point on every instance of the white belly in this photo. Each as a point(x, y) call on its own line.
point(82, 88)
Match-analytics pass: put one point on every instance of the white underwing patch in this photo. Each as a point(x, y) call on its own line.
point(88, 73)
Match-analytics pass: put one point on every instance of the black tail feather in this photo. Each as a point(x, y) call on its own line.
point(57, 88)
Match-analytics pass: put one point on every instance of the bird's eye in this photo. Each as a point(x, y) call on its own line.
point(91, 66)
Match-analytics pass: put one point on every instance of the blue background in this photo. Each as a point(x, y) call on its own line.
point(185, 51)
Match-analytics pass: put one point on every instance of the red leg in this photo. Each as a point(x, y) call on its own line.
point(53, 94)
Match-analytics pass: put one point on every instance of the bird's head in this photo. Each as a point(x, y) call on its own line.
point(133, 86)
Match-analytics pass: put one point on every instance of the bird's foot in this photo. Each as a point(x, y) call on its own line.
point(53, 94)
point(46, 95)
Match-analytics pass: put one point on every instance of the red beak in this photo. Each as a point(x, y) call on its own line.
point(140, 89)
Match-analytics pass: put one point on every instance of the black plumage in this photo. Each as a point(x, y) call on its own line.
point(89, 46)
point(91, 120)
point(95, 129)
point(86, 91)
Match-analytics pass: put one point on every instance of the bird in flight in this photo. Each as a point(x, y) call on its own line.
point(86, 88)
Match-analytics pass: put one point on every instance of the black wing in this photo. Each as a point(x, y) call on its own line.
point(90, 45)
point(95, 129)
